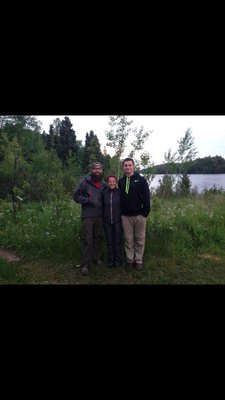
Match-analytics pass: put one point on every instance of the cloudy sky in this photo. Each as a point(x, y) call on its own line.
point(208, 132)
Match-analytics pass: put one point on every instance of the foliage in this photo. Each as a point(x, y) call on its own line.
point(37, 165)
point(19, 122)
point(117, 137)
point(184, 155)
point(186, 150)
point(41, 166)
point(183, 186)
point(205, 165)
point(185, 242)
point(91, 152)
point(147, 166)
point(170, 162)
point(165, 188)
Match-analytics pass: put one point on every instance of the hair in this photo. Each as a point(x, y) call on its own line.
point(93, 165)
point(128, 159)
point(111, 176)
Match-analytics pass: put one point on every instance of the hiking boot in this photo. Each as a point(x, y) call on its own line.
point(84, 270)
point(138, 267)
point(128, 267)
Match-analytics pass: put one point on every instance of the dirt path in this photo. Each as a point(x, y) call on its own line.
point(9, 256)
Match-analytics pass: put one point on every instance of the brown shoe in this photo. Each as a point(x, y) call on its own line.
point(128, 267)
point(138, 266)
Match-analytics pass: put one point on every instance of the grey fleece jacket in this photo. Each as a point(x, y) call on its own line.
point(90, 198)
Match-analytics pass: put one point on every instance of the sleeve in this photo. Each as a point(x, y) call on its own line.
point(119, 184)
point(146, 199)
point(80, 194)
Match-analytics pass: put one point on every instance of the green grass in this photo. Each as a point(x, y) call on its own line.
point(204, 269)
point(9, 274)
point(185, 244)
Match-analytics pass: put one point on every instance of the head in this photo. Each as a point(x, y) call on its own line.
point(96, 170)
point(111, 181)
point(128, 166)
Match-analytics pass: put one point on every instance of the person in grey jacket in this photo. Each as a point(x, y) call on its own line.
point(89, 194)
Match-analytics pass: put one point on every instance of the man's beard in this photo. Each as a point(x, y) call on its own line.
point(96, 177)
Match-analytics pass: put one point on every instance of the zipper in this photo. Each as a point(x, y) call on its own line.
point(111, 214)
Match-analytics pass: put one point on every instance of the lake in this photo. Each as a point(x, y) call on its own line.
point(199, 181)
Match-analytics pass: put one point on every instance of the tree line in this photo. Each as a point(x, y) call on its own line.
point(36, 165)
point(40, 166)
point(205, 165)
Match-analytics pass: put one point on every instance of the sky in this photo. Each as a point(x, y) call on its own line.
point(208, 132)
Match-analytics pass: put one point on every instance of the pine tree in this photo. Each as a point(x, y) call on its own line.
point(92, 152)
point(66, 145)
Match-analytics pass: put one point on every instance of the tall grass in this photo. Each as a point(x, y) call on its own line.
point(176, 227)
point(9, 275)
point(40, 231)
point(188, 225)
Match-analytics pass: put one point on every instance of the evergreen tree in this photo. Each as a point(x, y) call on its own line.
point(50, 138)
point(66, 145)
point(91, 152)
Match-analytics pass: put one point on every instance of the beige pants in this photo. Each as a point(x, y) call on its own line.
point(134, 229)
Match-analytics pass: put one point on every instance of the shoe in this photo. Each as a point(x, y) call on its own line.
point(129, 267)
point(84, 270)
point(138, 267)
point(99, 263)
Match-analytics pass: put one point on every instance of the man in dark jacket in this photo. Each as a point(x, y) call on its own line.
point(135, 207)
point(89, 195)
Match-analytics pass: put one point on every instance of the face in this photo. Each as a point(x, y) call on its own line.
point(97, 171)
point(112, 183)
point(128, 168)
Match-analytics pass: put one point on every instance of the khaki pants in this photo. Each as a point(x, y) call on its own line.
point(134, 229)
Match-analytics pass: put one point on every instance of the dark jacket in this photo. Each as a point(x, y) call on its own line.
point(111, 206)
point(137, 201)
point(90, 198)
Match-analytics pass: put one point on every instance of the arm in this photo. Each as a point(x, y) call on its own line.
point(80, 194)
point(146, 199)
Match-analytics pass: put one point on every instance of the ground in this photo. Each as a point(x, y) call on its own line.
point(201, 269)
point(8, 255)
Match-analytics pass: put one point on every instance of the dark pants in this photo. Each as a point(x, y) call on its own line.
point(113, 234)
point(91, 238)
